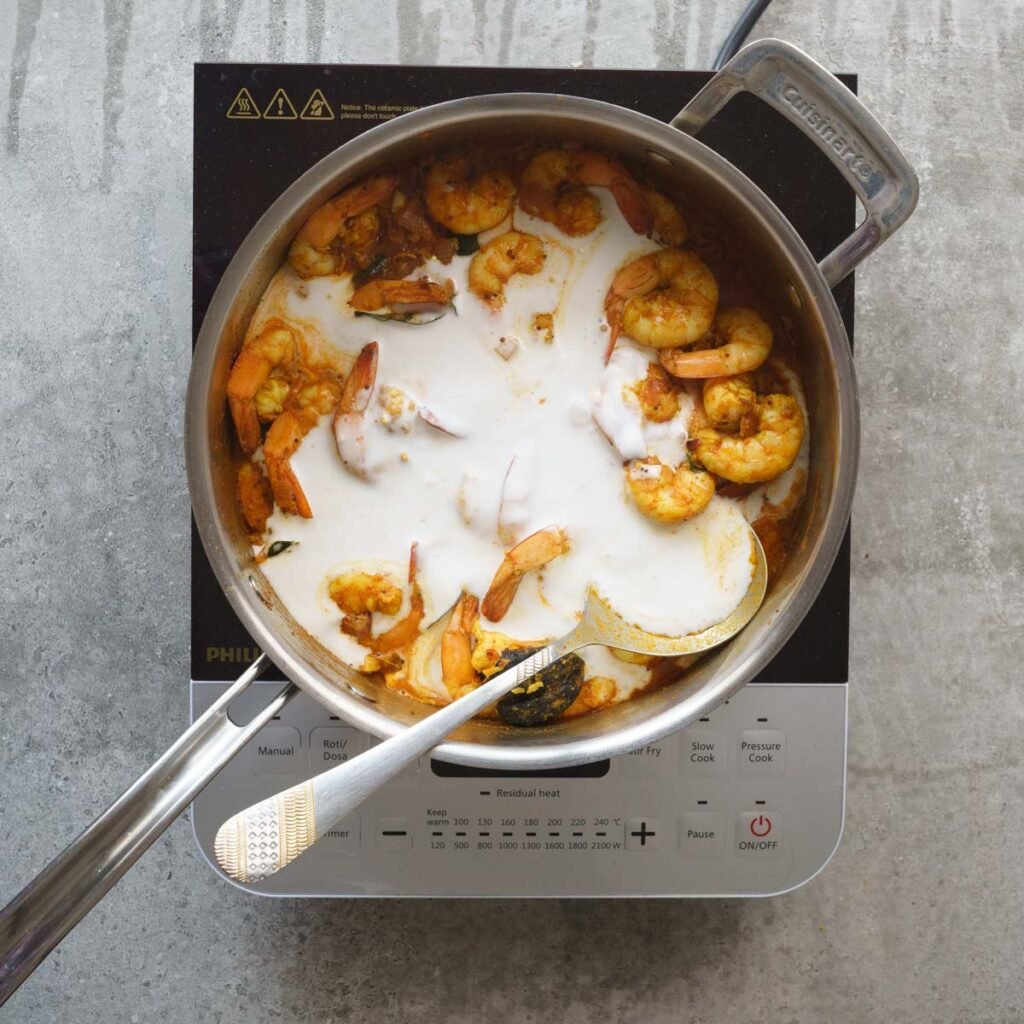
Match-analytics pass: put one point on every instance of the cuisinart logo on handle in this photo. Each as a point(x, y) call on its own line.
point(833, 133)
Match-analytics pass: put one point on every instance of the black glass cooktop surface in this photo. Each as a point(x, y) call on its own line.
point(259, 126)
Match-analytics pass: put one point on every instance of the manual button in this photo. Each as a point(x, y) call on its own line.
point(275, 751)
point(762, 753)
point(759, 834)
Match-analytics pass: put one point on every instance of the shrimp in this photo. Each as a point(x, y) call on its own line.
point(760, 456)
point(250, 385)
point(746, 343)
point(405, 631)
point(254, 497)
point(466, 196)
point(359, 593)
point(457, 648)
point(658, 396)
point(669, 225)
point(346, 223)
point(350, 417)
point(378, 294)
point(492, 266)
point(729, 401)
point(555, 185)
point(663, 299)
point(282, 442)
point(669, 495)
point(596, 692)
point(535, 551)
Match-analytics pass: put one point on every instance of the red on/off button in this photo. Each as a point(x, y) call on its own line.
point(759, 833)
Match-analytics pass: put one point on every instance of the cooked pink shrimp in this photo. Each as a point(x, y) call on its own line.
point(282, 442)
point(770, 449)
point(379, 294)
point(746, 343)
point(555, 185)
point(274, 349)
point(535, 551)
point(350, 417)
point(511, 253)
point(346, 220)
point(662, 299)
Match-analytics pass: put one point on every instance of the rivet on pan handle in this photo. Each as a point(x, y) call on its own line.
point(838, 124)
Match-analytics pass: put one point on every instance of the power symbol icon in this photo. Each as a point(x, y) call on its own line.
point(760, 826)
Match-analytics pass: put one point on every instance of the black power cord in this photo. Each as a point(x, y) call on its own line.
point(734, 40)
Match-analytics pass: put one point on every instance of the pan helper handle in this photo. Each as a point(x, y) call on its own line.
point(838, 124)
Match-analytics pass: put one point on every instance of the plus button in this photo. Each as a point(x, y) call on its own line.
point(642, 833)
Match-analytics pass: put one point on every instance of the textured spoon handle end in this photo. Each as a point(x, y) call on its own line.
point(264, 838)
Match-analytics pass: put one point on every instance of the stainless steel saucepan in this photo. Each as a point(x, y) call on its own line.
point(796, 87)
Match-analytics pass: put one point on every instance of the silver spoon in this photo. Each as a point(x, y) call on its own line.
point(265, 837)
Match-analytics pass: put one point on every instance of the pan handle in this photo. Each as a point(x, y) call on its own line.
point(838, 124)
point(36, 920)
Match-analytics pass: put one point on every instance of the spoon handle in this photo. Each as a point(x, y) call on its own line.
point(262, 839)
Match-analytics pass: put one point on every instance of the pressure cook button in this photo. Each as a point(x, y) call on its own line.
point(652, 759)
point(762, 753)
point(759, 834)
point(703, 751)
point(331, 745)
point(275, 750)
point(643, 833)
point(343, 837)
point(393, 834)
point(702, 833)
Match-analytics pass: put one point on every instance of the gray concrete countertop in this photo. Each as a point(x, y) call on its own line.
point(920, 917)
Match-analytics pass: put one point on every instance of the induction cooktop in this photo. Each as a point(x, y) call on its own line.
point(746, 801)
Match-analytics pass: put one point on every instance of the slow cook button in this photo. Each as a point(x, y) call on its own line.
point(275, 751)
point(759, 834)
point(331, 745)
point(762, 753)
point(703, 751)
point(702, 833)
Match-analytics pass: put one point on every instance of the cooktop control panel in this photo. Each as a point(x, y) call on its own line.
point(747, 801)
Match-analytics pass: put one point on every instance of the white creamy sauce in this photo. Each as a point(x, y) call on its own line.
point(523, 450)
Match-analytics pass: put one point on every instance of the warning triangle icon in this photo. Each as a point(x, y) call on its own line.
point(280, 108)
point(317, 108)
point(243, 107)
